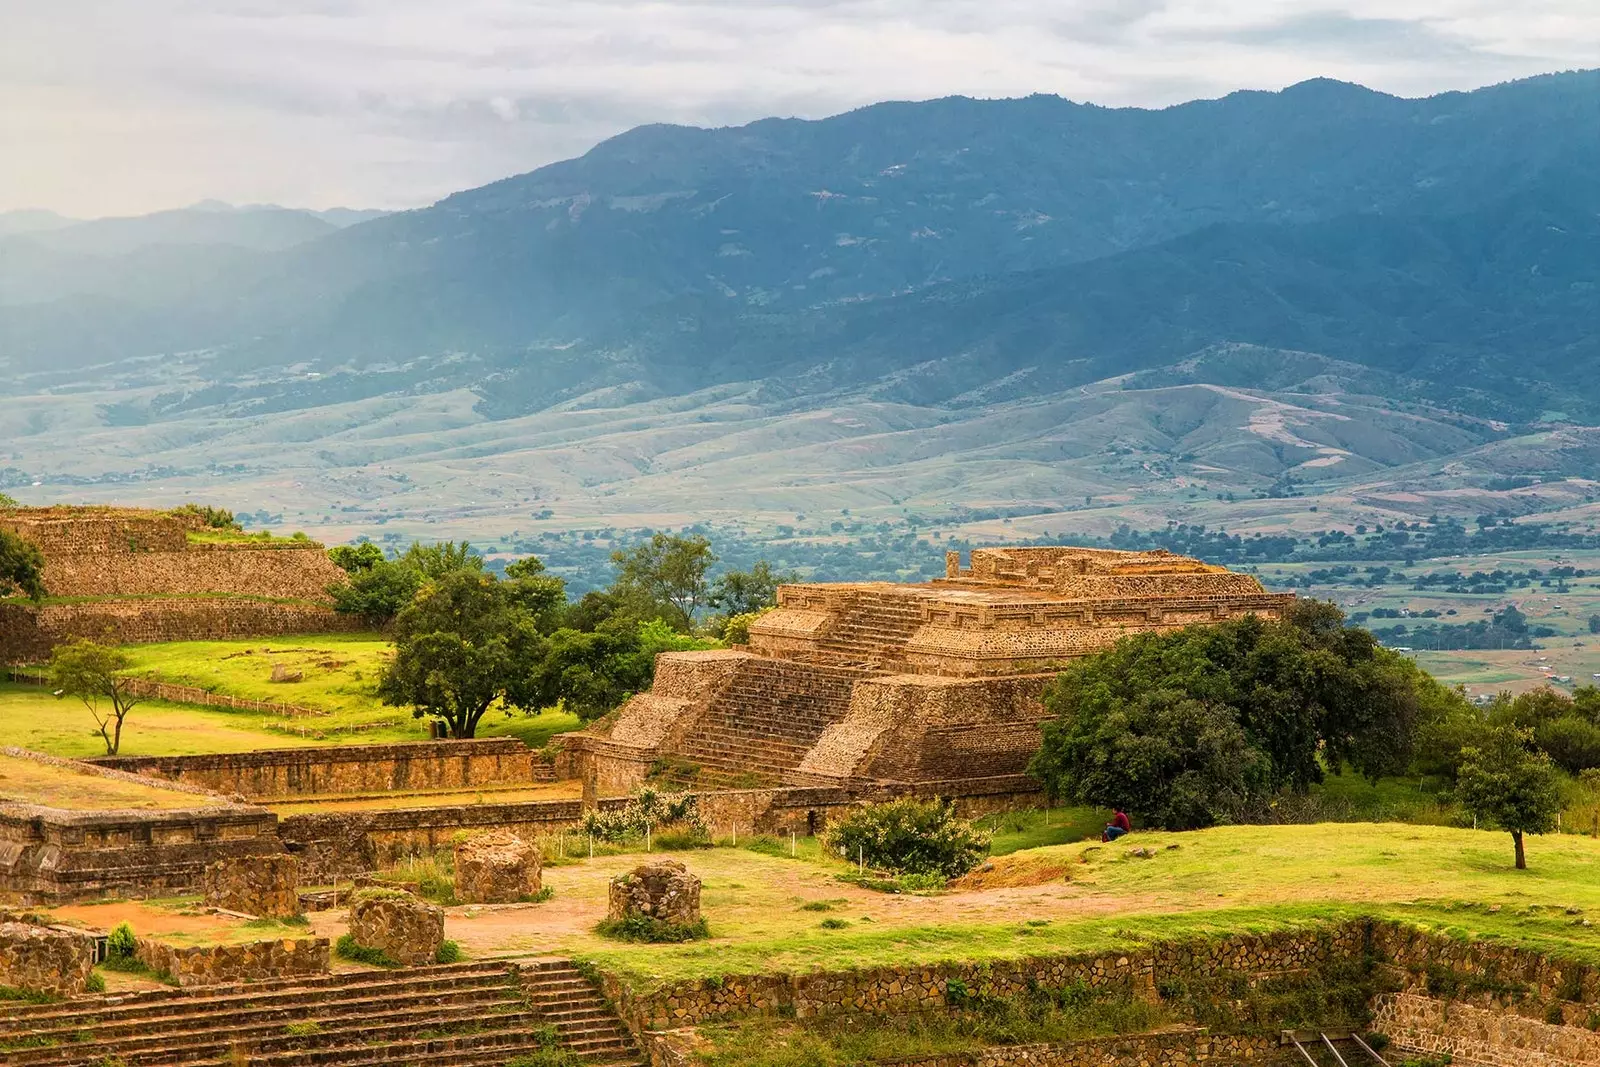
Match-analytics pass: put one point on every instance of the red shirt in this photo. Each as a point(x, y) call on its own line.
point(1121, 820)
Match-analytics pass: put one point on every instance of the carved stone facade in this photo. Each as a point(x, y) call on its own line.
point(407, 930)
point(497, 867)
point(664, 891)
point(265, 886)
point(921, 684)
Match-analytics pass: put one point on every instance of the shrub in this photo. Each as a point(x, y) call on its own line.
point(650, 807)
point(96, 983)
point(834, 923)
point(348, 948)
point(448, 952)
point(909, 836)
point(642, 928)
point(121, 944)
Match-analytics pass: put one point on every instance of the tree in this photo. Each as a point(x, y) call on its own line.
point(92, 672)
point(1594, 624)
point(353, 559)
point(21, 566)
point(461, 646)
point(440, 558)
point(747, 592)
point(670, 571)
point(377, 593)
point(543, 595)
point(8, 501)
point(1507, 784)
point(1195, 726)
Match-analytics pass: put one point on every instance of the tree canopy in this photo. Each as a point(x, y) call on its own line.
point(1505, 782)
point(1193, 727)
point(93, 673)
point(21, 566)
point(668, 571)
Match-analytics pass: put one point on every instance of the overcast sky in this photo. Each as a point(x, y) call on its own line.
point(125, 106)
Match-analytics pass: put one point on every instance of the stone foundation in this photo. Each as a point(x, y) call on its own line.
point(664, 891)
point(40, 959)
point(407, 930)
point(253, 962)
point(496, 868)
point(266, 886)
point(1183, 1049)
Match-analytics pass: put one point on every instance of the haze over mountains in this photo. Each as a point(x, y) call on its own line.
point(922, 305)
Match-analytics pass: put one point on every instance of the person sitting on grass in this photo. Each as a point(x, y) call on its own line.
point(1118, 826)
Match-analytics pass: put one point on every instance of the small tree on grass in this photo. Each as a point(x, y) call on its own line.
point(92, 672)
point(1504, 783)
point(909, 836)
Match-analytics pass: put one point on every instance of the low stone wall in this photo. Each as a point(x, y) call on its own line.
point(336, 769)
point(254, 961)
point(1180, 1049)
point(901, 990)
point(40, 959)
point(28, 632)
point(267, 886)
point(53, 856)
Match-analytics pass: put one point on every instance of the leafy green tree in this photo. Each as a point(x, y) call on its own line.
point(378, 593)
point(461, 646)
point(1506, 783)
point(8, 501)
point(93, 673)
point(353, 559)
point(1594, 624)
point(543, 595)
point(21, 566)
point(1194, 726)
point(909, 836)
point(440, 558)
point(669, 571)
point(215, 518)
point(591, 672)
point(747, 592)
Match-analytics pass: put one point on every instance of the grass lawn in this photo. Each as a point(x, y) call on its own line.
point(63, 787)
point(1212, 882)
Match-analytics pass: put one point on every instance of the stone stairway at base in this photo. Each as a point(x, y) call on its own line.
point(768, 718)
point(464, 1015)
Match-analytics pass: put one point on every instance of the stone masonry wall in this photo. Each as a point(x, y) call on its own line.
point(901, 990)
point(1181, 1049)
point(265, 886)
point(254, 961)
point(335, 769)
point(27, 633)
point(43, 960)
point(290, 573)
point(102, 531)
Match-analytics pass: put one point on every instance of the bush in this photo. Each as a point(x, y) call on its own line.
point(121, 944)
point(909, 836)
point(448, 952)
point(642, 928)
point(650, 807)
point(348, 948)
point(1573, 743)
point(96, 983)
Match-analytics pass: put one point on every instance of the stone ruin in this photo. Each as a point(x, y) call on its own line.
point(496, 867)
point(134, 574)
point(264, 886)
point(664, 891)
point(44, 959)
point(933, 686)
point(402, 927)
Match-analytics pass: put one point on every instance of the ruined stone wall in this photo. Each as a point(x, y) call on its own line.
point(336, 769)
point(27, 633)
point(906, 989)
point(51, 856)
point(290, 573)
point(41, 959)
point(99, 531)
point(255, 961)
point(1180, 1049)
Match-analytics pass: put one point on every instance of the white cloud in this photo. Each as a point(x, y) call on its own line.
point(130, 105)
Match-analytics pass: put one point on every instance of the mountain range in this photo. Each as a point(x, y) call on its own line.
point(1325, 285)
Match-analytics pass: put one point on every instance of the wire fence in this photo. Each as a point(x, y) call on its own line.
point(151, 689)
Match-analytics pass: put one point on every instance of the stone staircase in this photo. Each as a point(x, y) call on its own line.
point(871, 634)
point(768, 718)
point(464, 1015)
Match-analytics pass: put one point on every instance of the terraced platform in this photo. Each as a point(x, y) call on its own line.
point(465, 1015)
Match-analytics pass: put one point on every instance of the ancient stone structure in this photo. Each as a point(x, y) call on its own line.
point(143, 580)
point(496, 868)
point(267, 886)
point(935, 685)
point(407, 930)
point(664, 891)
point(254, 961)
point(41, 959)
point(412, 766)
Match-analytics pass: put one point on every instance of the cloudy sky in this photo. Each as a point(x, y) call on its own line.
point(124, 106)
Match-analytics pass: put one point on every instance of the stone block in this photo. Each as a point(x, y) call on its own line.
point(663, 890)
point(497, 867)
point(44, 960)
point(268, 886)
point(407, 930)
